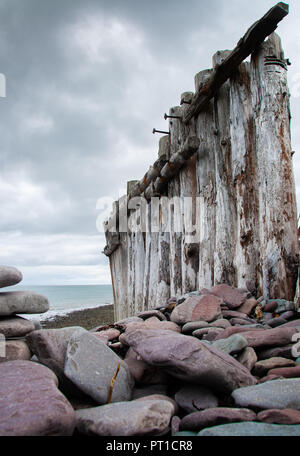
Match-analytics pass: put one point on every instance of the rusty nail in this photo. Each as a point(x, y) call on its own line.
point(171, 117)
point(159, 131)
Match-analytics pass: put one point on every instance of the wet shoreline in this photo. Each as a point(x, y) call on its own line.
point(87, 318)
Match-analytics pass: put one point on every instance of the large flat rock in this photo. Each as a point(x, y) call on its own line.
point(232, 297)
point(30, 403)
point(15, 326)
point(9, 276)
point(50, 347)
point(275, 394)
point(252, 429)
point(189, 359)
point(213, 416)
point(15, 349)
point(91, 365)
point(203, 307)
point(133, 418)
point(22, 302)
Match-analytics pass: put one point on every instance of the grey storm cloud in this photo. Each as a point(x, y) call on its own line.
point(87, 80)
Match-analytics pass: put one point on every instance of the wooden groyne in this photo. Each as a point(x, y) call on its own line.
point(218, 205)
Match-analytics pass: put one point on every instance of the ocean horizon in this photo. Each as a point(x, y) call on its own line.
point(67, 298)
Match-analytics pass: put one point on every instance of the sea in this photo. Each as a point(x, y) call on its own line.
point(67, 298)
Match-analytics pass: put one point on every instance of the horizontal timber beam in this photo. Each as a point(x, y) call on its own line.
point(256, 34)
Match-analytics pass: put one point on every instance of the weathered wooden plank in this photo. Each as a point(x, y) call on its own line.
point(244, 177)
point(255, 35)
point(175, 211)
point(277, 222)
point(190, 235)
point(206, 182)
point(225, 226)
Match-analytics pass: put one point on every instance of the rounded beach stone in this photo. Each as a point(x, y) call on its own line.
point(175, 423)
point(286, 372)
point(265, 337)
point(252, 429)
point(248, 306)
point(107, 334)
point(241, 321)
point(154, 323)
point(191, 326)
point(203, 307)
point(50, 346)
point(9, 276)
point(268, 378)
point(15, 326)
point(247, 357)
point(284, 352)
point(220, 323)
point(143, 372)
point(213, 416)
point(189, 359)
point(151, 313)
point(122, 324)
point(133, 418)
point(231, 296)
point(91, 365)
point(283, 305)
point(274, 322)
point(262, 367)
point(22, 302)
point(232, 344)
point(277, 416)
point(159, 397)
point(233, 314)
point(270, 306)
point(281, 394)
point(287, 315)
point(31, 404)
point(212, 333)
point(200, 332)
point(15, 349)
point(192, 398)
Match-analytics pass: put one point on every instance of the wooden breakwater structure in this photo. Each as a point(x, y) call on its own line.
point(218, 205)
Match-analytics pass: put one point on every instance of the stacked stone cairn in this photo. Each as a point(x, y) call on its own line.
point(14, 328)
point(218, 361)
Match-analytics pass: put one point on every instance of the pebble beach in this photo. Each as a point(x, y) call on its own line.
point(214, 362)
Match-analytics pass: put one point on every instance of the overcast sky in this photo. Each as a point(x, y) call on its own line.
point(87, 80)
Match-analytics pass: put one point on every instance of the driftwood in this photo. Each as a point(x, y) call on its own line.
point(246, 45)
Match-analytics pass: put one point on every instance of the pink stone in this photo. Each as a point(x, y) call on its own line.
point(154, 323)
point(203, 307)
point(231, 296)
point(214, 416)
point(286, 372)
point(248, 306)
point(279, 416)
point(31, 404)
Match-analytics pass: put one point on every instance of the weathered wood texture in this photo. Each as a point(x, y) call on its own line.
point(241, 196)
point(246, 45)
